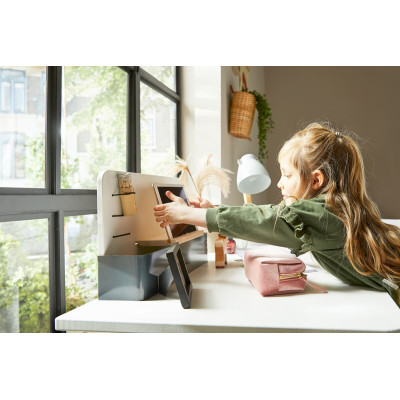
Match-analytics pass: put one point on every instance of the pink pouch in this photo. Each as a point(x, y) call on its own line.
point(275, 272)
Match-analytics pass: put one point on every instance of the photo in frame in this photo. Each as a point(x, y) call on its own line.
point(180, 275)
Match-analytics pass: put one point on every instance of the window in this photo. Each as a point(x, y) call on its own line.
point(22, 127)
point(159, 131)
point(42, 103)
point(148, 130)
point(12, 156)
point(5, 97)
point(158, 121)
point(93, 130)
point(72, 123)
point(13, 87)
point(81, 249)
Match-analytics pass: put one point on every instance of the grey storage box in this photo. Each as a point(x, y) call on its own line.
point(146, 272)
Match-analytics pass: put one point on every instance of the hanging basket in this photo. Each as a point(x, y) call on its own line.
point(241, 115)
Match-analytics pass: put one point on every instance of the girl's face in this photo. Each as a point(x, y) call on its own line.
point(290, 182)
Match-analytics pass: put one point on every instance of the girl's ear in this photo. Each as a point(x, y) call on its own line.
point(318, 179)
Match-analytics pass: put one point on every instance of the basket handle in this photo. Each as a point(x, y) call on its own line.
point(232, 89)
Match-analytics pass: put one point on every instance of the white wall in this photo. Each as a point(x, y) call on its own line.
point(201, 119)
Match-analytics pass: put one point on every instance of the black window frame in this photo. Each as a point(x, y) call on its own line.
point(53, 202)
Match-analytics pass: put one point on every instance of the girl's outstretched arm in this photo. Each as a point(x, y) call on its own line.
point(178, 212)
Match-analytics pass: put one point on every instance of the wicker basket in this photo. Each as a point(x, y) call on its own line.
point(241, 115)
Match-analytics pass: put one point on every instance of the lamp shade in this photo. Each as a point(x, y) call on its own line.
point(252, 177)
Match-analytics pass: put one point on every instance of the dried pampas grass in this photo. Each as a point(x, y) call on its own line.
point(210, 174)
point(181, 167)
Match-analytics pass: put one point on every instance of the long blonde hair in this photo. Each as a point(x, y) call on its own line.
point(371, 245)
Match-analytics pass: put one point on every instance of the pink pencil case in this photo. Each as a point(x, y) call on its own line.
point(274, 272)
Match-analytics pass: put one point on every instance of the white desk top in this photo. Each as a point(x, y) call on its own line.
point(223, 300)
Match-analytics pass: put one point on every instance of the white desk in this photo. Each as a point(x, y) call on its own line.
point(223, 300)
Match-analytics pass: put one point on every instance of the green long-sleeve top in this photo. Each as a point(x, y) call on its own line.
point(305, 225)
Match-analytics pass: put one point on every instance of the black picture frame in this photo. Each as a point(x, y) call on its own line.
point(181, 275)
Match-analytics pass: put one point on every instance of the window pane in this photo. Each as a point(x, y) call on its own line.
point(19, 156)
point(6, 151)
point(166, 75)
point(24, 276)
point(19, 97)
point(81, 249)
point(5, 96)
point(157, 132)
point(22, 126)
point(93, 129)
point(12, 149)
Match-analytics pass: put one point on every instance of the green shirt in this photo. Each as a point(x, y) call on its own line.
point(305, 225)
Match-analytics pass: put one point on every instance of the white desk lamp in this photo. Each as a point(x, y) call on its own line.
point(252, 177)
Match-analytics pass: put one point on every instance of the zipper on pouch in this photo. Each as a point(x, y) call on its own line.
point(299, 276)
point(290, 276)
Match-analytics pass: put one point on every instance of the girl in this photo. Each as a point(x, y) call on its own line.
point(325, 210)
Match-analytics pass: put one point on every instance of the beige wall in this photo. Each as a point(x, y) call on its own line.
point(364, 100)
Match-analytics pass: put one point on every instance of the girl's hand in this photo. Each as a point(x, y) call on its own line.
point(170, 213)
point(201, 203)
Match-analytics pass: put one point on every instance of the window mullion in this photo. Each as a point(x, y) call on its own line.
point(53, 187)
point(57, 267)
point(133, 122)
point(158, 86)
point(178, 138)
point(53, 130)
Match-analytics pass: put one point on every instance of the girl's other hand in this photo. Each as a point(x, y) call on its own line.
point(201, 203)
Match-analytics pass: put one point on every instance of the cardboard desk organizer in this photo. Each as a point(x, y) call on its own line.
point(132, 261)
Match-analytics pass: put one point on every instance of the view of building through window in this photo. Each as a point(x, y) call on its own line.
point(22, 126)
point(157, 132)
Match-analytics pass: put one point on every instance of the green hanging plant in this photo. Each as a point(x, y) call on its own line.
point(265, 123)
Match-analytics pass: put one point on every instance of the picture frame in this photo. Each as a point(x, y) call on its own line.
point(180, 275)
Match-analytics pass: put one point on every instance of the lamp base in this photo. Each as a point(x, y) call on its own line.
point(246, 198)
